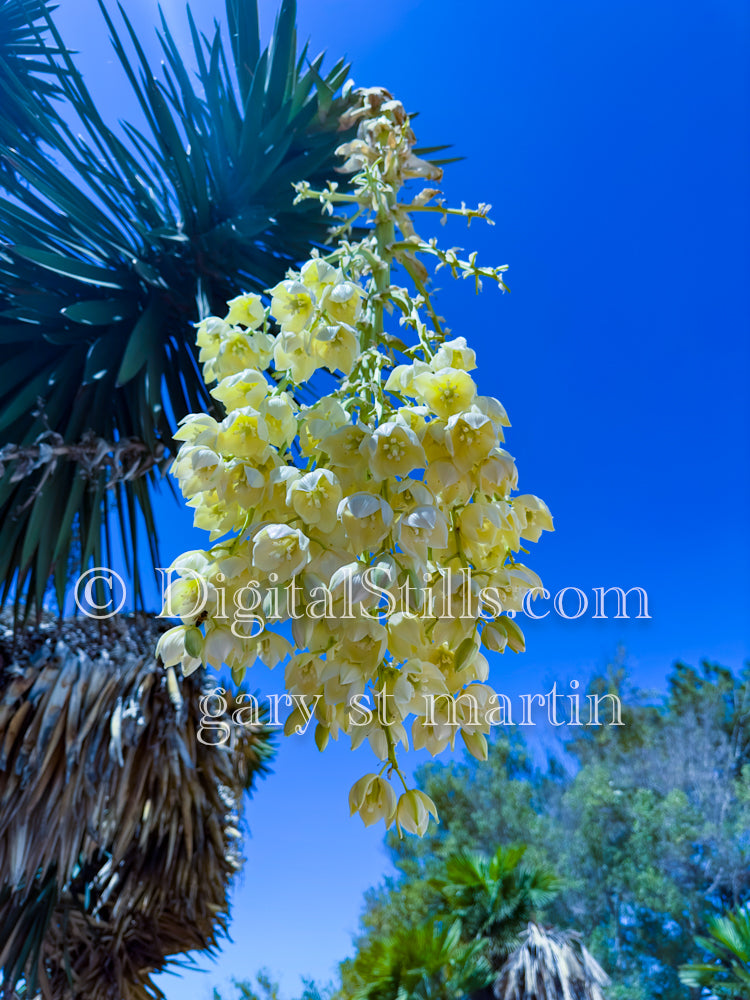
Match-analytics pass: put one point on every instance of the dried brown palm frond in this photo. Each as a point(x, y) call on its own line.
point(118, 827)
point(550, 965)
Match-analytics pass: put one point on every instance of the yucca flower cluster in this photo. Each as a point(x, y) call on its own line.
point(378, 518)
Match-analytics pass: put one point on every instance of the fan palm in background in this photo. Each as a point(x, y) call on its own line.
point(112, 241)
point(550, 965)
point(494, 897)
point(477, 918)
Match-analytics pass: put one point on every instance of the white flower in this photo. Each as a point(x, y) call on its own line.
point(315, 497)
point(420, 529)
point(393, 449)
point(454, 354)
point(366, 518)
point(373, 798)
point(280, 549)
point(342, 302)
point(247, 310)
point(292, 304)
point(413, 812)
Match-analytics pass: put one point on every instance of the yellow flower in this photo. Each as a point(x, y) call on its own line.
point(362, 647)
point(474, 668)
point(446, 483)
point(279, 413)
point(302, 675)
point(291, 354)
point(245, 388)
point(345, 453)
point(245, 483)
point(243, 434)
point(411, 493)
point(171, 649)
point(402, 377)
point(373, 798)
point(469, 437)
point(366, 518)
point(495, 410)
point(413, 812)
point(317, 275)
point(420, 529)
point(247, 310)
point(280, 549)
point(454, 354)
point(415, 686)
point(198, 428)
point(534, 516)
point(197, 469)
point(238, 351)
point(446, 391)
point(406, 635)
point(393, 450)
point(212, 331)
point(271, 648)
point(337, 347)
point(315, 497)
point(497, 475)
point(341, 302)
point(320, 420)
point(434, 737)
point(415, 417)
point(223, 646)
point(292, 304)
point(277, 489)
point(188, 597)
point(215, 515)
point(480, 524)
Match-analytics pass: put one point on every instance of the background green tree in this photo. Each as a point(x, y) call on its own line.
point(647, 826)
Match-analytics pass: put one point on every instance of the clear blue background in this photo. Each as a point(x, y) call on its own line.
point(611, 139)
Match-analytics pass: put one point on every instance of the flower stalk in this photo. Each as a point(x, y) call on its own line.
point(368, 517)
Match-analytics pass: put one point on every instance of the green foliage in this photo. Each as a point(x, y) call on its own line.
point(428, 962)
point(647, 826)
point(114, 241)
point(265, 988)
point(493, 897)
point(451, 931)
point(727, 975)
point(27, 81)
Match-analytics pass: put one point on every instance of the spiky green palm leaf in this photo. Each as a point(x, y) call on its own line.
point(550, 965)
point(27, 80)
point(727, 975)
point(494, 897)
point(428, 962)
point(111, 244)
point(118, 826)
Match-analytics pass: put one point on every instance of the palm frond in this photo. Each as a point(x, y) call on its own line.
point(495, 896)
point(109, 806)
point(727, 944)
point(113, 241)
point(27, 80)
point(548, 965)
point(427, 962)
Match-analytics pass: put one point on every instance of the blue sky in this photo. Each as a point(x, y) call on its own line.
point(611, 140)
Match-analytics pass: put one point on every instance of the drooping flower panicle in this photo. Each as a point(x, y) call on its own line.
point(379, 519)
